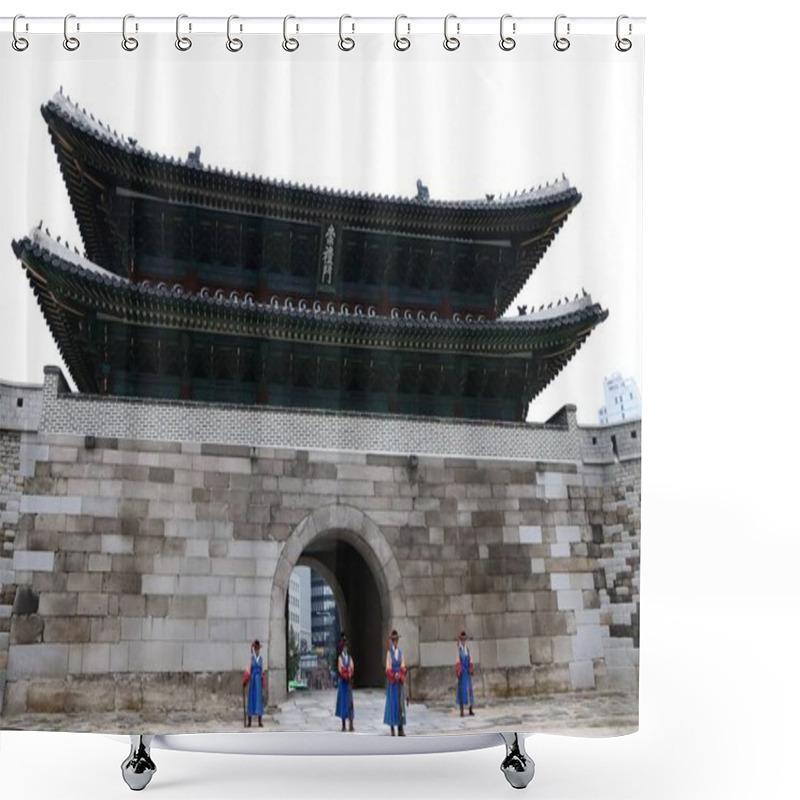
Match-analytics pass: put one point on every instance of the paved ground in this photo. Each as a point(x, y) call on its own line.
point(583, 714)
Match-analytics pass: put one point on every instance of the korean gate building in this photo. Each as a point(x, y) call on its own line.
point(268, 375)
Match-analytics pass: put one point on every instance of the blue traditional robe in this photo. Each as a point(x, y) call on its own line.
point(344, 696)
point(395, 711)
point(255, 694)
point(464, 686)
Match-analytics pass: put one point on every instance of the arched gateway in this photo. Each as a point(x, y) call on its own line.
point(350, 551)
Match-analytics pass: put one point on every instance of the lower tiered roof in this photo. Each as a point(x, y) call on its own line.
point(126, 338)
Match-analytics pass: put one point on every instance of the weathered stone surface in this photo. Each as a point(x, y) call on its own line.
point(26, 601)
point(67, 629)
point(551, 679)
point(58, 603)
point(37, 660)
point(26, 630)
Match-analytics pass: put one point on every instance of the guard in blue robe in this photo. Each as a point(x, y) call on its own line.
point(464, 670)
point(255, 693)
point(395, 712)
point(344, 695)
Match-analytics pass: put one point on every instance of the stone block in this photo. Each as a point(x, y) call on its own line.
point(131, 605)
point(548, 623)
point(92, 604)
point(79, 542)
point(188, 607)
point(568, 533)
point(159, 584)
point(116, 543)
point(42, 540)
point(489, 602)
point(227, 630)
point(530, 534)
point(38, 661)
point(569, 600)
point(26, 601)
point(581, 580)
point(541, 648)
point(75, 630)
point(157, 605)
point(437, 654)
point(46, 697)
point(560, 581)
point(99, 562)
point(122, 582)
point(562, 649)
point(553, 492)
point(128, 695)
point(33, 561)
point(99, 506)
point(161, 629)
point(26, 630)
point(49, 504)
point(537, 566)
point(517, 623)
point(208, 656)
point(119, 657)
point(96, 658)
point(521, 681)
point(552, 678)
point(156, 656)
point(513, 652)
point(107, 630)
point(521, 601)
point(493, 682)
point(58, 604)
point(130, 629)
point(622, 679)
point(15, 698)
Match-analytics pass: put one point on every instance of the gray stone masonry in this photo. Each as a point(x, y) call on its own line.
point(143, 564)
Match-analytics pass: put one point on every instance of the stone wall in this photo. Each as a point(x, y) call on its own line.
point(20, 409)
point(144, 567)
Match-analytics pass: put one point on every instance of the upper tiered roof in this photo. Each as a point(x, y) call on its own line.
point(98, 163)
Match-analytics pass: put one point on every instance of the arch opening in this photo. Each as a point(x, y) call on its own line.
point(346, 547)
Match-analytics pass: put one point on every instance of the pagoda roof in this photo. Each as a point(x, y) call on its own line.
point(68, 287)
point(87, 147)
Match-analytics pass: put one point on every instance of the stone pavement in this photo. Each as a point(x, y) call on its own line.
point(589, 714)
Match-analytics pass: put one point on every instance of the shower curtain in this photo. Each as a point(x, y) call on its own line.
point(320, 370)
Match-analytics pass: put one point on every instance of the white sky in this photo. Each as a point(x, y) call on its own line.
point(467, 123)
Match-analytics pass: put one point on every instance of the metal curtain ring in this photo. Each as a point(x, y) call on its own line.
point(19, 43)
point(623, 45)
point(290, 44)
point(401, 42)
point(506, 42)
point(71, 43)
point(451, 42)
point(561, 43)
point(233, 44)
point(129, 43)
point(345, 42)
point(183, 43)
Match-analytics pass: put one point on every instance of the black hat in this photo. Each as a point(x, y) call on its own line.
point(394, 634)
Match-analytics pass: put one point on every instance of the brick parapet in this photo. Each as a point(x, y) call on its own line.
point(188, 421)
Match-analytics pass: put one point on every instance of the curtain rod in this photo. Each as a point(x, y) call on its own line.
point(462, 26)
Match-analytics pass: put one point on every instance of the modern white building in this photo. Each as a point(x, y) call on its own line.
point(623, 401)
